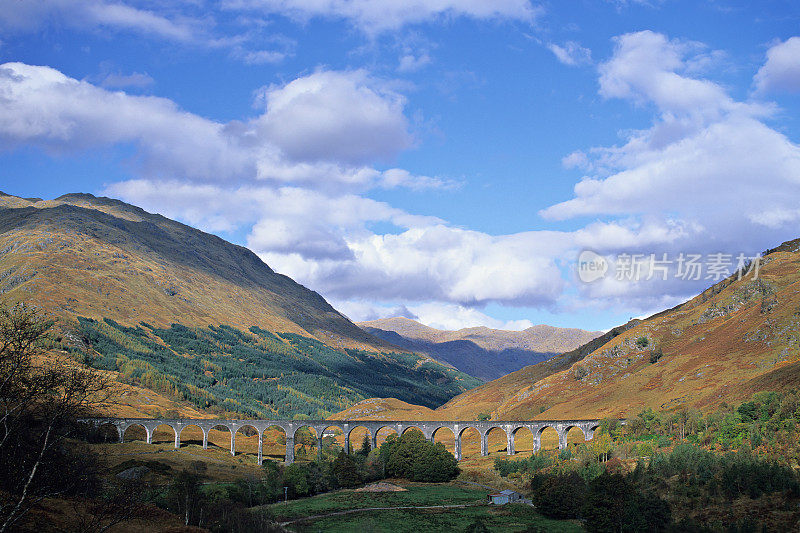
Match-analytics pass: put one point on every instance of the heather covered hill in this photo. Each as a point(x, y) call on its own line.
point(480, 351)
point(79, 255)
point(196, 319)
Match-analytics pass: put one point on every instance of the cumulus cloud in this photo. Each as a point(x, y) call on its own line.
point(708, 175)
point(375, 17)
point(323, 128)
point(455, 317)
point(412, 63)
point(445, 316)
point(572, 53)
point(781, 71)
point(362, 311)
point(704, 153)
point(342, 116)
point(437, 262)
point(43, 107)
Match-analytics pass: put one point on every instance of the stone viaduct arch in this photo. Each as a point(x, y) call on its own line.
point(290, 428)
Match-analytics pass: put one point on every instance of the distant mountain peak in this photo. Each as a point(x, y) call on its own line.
point(480, 351)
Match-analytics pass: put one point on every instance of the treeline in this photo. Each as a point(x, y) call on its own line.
point(258, 373)
point(729, 470)
point(687, 489)
point(238, 506)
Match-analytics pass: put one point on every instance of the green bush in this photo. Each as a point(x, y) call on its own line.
point(413, 457)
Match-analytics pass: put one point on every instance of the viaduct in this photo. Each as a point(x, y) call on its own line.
point(290, 428)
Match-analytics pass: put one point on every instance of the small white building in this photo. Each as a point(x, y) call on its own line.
point(504, 497)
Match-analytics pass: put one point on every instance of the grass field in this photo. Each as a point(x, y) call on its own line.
point(505, 518)
point(417, 494)
point(508, 518)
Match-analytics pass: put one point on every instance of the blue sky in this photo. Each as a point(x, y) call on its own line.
point(445, 160)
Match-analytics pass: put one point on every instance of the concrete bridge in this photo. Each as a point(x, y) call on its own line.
point(290, 428)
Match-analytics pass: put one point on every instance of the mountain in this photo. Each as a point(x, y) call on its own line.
point(197, 318)
point(738, 337)
point(98, 257)
point(481, 352)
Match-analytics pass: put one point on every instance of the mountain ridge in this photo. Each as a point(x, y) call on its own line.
point(480, 351)
point(163, 261)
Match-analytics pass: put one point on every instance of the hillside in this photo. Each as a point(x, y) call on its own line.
point(738, 337)
point(735, 338)
point(97, 257)
point(196, 318)
point(481, 352)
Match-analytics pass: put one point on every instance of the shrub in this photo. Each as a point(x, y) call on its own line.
point(559, 496)
point(579, 372)
point(655, 355)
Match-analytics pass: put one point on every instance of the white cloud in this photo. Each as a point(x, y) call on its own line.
point(571, 53)
point(445, 316)
point(412, 63)
point(436, 262)
point(26, 16)
point(45, 108)
point(342, 116)
point(648, 67)
point(320, 129)
point(781, 71)
point(455, 317)
point(258, 57)
point(374, 17)
point(708, 175)
point(362, 311)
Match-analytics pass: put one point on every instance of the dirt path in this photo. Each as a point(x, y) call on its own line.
point(364, 509)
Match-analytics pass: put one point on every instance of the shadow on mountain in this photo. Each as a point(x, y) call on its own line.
point(467, 356)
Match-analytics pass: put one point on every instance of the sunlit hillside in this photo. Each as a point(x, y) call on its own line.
point(79, 255)
point(737, 337)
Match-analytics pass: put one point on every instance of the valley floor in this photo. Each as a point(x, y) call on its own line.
point(429, 507)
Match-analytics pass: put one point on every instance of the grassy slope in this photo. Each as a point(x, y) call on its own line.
point(84, 256)
point(737, 337)
point(489, 398)
point(80, 256)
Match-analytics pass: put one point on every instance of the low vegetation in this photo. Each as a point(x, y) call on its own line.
point(679, 470)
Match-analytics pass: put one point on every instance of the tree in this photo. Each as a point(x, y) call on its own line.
point(560, 496)
point(413, 457)
point(39, 407)
point(185, 498)
point(366, 446)
point(600, 446)
point(296, 478)
point(346, 471)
